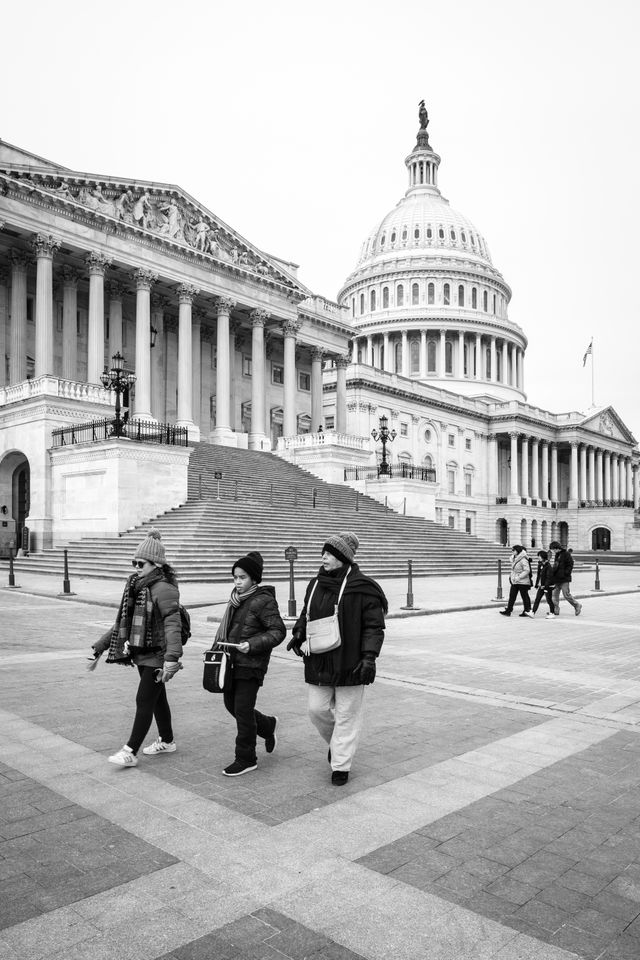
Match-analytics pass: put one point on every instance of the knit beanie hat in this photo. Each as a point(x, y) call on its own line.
point(152, 548)
point(251, 564)
point(343, 546)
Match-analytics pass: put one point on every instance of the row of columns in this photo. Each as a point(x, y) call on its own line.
point(188, 378)
point(380, 352)
point(595, 474)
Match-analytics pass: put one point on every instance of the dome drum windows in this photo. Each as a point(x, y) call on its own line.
point(431, 356)
point(431, 294)
point(485, 301)
point(399, 295)
point(414, 357)
point(461, 296)
point(385, 298)
point(474, 298)
point(440, 233)
point(415, 295)
point(446, 294)
point(448, 357)
point(372, 300)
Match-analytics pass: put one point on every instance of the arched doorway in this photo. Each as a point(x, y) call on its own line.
point(523, 533)
point(277, 417)
point(502, 532)
point(15, 493)
point(545, 535)
point(563, 533)
point(534, 533)
point(601, 539)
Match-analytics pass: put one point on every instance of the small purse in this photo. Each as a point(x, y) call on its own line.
point(217, 671)
point(323, 635)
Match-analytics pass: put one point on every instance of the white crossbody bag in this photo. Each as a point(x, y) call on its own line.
point(323, 635)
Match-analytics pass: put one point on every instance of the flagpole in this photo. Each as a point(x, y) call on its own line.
point(593, 393)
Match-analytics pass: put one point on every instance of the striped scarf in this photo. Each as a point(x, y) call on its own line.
point(132, 631)
point(235, 600)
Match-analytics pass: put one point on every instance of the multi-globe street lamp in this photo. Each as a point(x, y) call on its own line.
point(120, 381)
point(385, 436)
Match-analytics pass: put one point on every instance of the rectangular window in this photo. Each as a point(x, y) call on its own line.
point(304, 381)
point(404, 429)
point(277, 374)
point(246, 366)
point(452, 521)
point(452, 439)
point(467, 525)
point(467, 443)
point(329, 423)
point(467, 485)
point(451, 482)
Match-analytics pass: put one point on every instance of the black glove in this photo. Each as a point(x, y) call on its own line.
point(294, 644)
point(365, 672)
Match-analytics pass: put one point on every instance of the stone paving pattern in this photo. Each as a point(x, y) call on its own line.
point(493, 810)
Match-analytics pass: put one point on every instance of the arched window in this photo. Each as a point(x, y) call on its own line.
point(464, 236)
point(415, 294)
point(393, 236)
point(466, 360)
point(448, 356)
point(416, 233)
point(461, 296)
point(473, 240)
point(499, 366)
point(487, 363)
point(372, 300)
point(429, 233)
point(452, 233)
point(404, 233)
point(382, 240)
point(485, 301)
point(440, 233)
point(431, 293)
point(362, 303)
point(474, 298)
point(400, 295)
point(446, 294)
point(428, 462)
point(353, 306)
point(397, 351)
point(414, 356)
point(431, 356)
point(494, 304)
point(385, 298)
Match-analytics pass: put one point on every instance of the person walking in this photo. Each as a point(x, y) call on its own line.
point(520, 580)
point(250, 628)
point(336, 679)
point(147, 634)
point(543, 582)
point(561, 569)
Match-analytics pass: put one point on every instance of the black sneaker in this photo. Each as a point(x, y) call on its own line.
point(504, 613)
point(270, 743)
point(238, 767)
point(339, 777)
point(329, 755)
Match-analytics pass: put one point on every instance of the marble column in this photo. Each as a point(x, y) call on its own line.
point(544, 493)
point(524, 446)
point(70, 323)
point(622, 479)
point(512, 361)
point(196, 365)
point(615, 477)
point(144, 280)
point(554, 472)
point(289, 425)
point(405, 354)
point(460, 355)
point(513, 482)
point(4, 325)
point(386, 365)
point(442, 353)
point(636, 487)
point(18, 355)
point(535, 468)
point(607, 475)
point(342, 362)
point(116, 293)
point(494, 369)
point(158, 359)
point(573, 482)
point(478, 352)
point(520, 361)
point(628, 479)
point(171, 368)
point(186, 293)
point(423, 353)
point(97, 264)
point(599, 468)
point(258, 437)
point(369, 359)
point(44, 247)
point(492, 466)
point(222, 430)
point(317, 412)
point(505, 362)
point(583, 472)
point(206, 387)
point(591, 475)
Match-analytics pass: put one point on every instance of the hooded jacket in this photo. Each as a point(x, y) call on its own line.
point(521, 569)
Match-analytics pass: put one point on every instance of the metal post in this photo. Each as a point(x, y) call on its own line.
point(498, 595)
point(409, 605)
point(597, 583)
point(12, 579)
point(271, 495)
point(291, 554)
point(404, 508)
point(235, 495)
point(218, 497)
point(66, 586)
point(315, 494)
point(199, 486)
point(357, 501)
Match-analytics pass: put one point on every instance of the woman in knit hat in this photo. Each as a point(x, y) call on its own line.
point(336, 679)
point(147, 634)
point(250, 628)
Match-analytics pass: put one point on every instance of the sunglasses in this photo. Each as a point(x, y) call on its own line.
point(138, 563)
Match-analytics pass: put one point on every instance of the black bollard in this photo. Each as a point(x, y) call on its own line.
point(357, 501)
point(409, 605)
point(66, 583)
point(291, 554)
point(498, 595)
point(596, 585)
point(12, 578)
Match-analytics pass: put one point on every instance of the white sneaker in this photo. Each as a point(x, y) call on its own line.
point(528, 613)
point(551, 616)
point(124, 758)
point(578, 610)
point(159, 746)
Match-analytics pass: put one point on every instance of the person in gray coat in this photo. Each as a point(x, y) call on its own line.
point(520, 580)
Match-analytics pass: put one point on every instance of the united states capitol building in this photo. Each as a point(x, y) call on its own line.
point(224, 344)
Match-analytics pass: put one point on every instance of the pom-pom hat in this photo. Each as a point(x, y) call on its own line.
point(251, 564)
point(152, 549)
point(343, 546)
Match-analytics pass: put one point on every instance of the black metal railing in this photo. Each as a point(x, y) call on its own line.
point(405, 471)
point(593, 504)
point(142, 431)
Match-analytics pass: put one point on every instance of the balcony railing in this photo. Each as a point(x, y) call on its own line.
point(142, 431)
point(404, 471)
point(594, 504)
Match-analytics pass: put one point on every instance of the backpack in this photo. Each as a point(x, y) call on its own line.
point(185, 624)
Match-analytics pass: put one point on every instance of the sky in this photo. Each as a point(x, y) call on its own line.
point(291, 122)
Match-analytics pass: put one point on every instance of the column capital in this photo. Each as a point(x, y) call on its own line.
point(144, 279)
point(159, 303)
point(290, 328)
point(342, 361)
point(225, 304)
point(97, 263)
point(317, 353)
point(574, 443)
point(45, 245)
point(70, 276)
point(20, 259)
point(198, 315)
point(492, 437)
point(536, 440)
point(117, 289)
point(4, 276)
point(258, 318)
point(186, 292)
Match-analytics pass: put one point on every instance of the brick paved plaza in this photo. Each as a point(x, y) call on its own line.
point(493, 810)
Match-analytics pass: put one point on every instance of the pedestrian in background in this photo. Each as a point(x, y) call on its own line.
point(520, 579)
point(543, 583)
point(561, 570)
point(250, 628)
point(147, 634)
point(336, 679)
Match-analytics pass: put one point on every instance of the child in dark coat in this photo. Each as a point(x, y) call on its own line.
point(544, 582)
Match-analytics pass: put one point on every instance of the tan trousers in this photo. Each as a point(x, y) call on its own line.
point(336, 713)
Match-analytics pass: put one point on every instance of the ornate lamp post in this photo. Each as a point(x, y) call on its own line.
point(119, 380)
point(385, 436)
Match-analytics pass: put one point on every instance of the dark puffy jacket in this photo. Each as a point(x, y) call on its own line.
point(543, 576)
point(361, 617)
point(258, 622)
point(562, 567)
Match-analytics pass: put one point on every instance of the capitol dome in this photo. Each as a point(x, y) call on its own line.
point(425, 299)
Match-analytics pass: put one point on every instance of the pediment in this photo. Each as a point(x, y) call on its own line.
point(163, 213)
point(608, 423)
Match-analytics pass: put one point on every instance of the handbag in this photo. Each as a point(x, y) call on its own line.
point(323, 635)
point(216, 674)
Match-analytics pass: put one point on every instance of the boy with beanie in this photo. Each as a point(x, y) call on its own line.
point(336, 679)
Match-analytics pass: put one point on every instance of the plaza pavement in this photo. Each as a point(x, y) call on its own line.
point(493, 810)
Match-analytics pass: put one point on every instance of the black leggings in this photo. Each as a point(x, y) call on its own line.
point(151, 701)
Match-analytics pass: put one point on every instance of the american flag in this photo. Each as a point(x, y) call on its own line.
point(588, 351)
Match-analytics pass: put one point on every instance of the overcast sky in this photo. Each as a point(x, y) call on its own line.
point(291, 122)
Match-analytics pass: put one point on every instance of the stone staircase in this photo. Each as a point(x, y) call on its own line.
point(262, 502)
